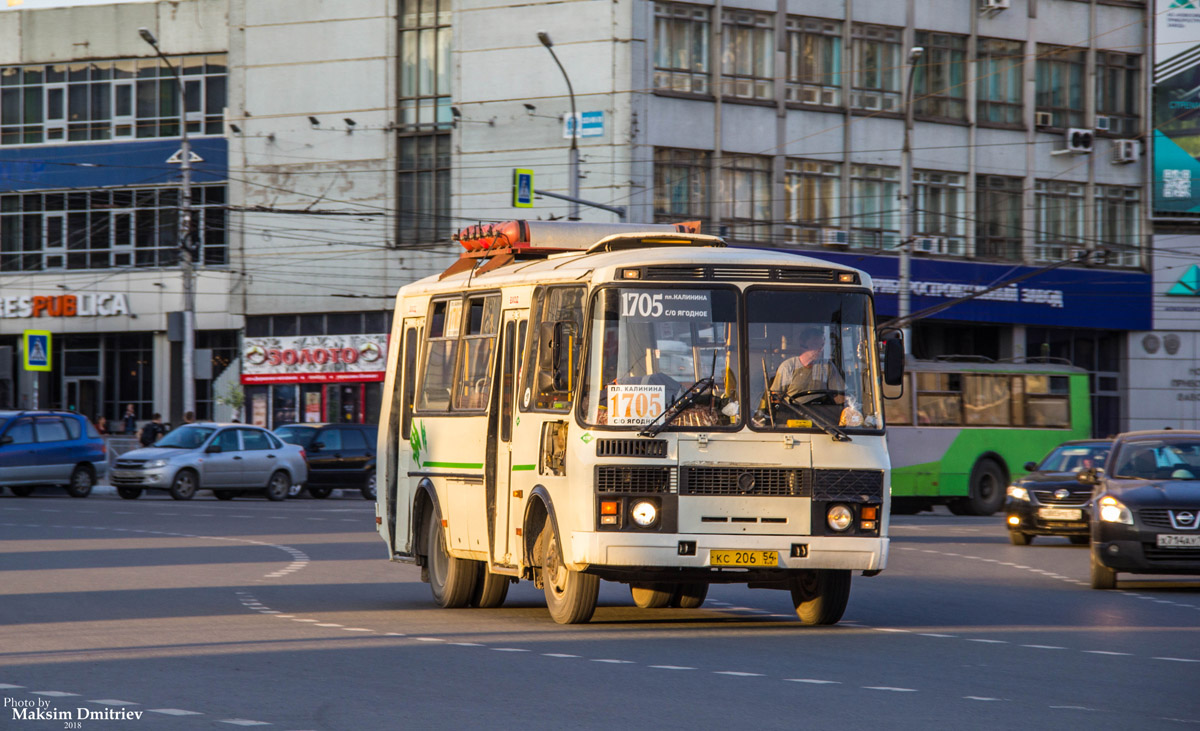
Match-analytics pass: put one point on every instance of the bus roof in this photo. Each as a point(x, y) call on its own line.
point(974, 366)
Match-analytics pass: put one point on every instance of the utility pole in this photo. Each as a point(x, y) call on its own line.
point(906, 193)
point(186, 263)
point(573, 165)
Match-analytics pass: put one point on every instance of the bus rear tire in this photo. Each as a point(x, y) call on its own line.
point(452, 580)
point(570, 595)
point(986, 490)
point(651, 596)
point(689, 595)
point(821, 595)
point(490, 589)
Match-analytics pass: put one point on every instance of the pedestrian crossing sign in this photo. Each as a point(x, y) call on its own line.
point(37, 350)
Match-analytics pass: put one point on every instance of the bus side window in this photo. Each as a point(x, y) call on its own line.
point(939, 399)
point(441, 349)
point(478, 341)
point(986, 400)
point(898, 411)
point(1046, 401)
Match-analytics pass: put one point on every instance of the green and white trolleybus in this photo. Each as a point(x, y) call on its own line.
point(572, 402)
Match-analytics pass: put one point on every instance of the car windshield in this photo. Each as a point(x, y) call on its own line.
point(186, 437)
point(301, 435)
point(1159, 459)
point(1074, 458)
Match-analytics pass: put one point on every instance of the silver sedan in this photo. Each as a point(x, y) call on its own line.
point(229, 459)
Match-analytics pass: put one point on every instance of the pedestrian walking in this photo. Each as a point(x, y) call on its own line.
point(152, 431)
point(130, 420)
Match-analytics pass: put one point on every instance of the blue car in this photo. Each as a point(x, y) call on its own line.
point(50, 448)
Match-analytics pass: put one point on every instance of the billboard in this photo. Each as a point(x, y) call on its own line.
point(1177, 106)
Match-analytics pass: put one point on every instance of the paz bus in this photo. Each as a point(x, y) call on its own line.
point(962, 430)
point(573, 402)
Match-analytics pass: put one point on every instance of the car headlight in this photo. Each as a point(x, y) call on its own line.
point(155, 464)
point(644, 513)
point(839, 517)
point(1018, 493)
point(1113, 510)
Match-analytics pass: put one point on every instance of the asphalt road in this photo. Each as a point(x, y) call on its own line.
point(208, 614)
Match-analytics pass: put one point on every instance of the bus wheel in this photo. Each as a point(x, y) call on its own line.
point(651, 596)
point(490, 589)
point(987, 489)
point(689, 595)
point(570, 595)
point(451, 579)
point(820, 595)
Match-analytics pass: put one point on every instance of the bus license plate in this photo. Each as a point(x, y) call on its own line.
point(743, 559)
point(1060, 513)
point(1172, 541)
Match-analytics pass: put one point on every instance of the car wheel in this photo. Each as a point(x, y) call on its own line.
point(223, 494)
point(820, 595)
point(452, 580)
point(22, 490)
point(129, 493)
point(368, 488)
point(1019, 539)
point(295, 490)
point(1102, 576)
point(279, 486)
point(651, 596)
point(82, 480)
point(183, 487)
point(320, 493)
point(570, 595)
point(1079, 540)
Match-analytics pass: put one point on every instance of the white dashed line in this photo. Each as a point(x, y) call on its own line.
point(990, 642)
point(112, 702)
point(813, 681)
point(6, 686)
point(1176, 659)
point(243, 722)
point(1045, 647)
point(508, 649)
point(738, 674)
point(557, 654)
point(615, 662)
point(466, 644)
point(980, 698)
point(328, 624)
point(1108, 652)
point(175, 712)
point(671, 667)
point(356, 629)
point(889, 689)
point(429, 639)
point(54, 693)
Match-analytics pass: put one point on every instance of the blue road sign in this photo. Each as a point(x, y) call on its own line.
point(522, 188)
point(37, 350)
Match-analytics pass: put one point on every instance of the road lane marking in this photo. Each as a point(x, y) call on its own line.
point(813, 681)
point(980, 698)
point(175, 712)
point(508, 649)
point(615, 662)
point(243, 722)
point(1176, 659)
point(53, 693)
point(671, 667)
point(889, 689)
point(557, 654)
point(738, 674)
point(1108, 652)
point(1045, 647)
point(113, 702)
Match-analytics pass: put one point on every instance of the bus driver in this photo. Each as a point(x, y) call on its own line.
point(808, 371)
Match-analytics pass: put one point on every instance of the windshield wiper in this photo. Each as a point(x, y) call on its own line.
point(819, 420)
point(698, 389)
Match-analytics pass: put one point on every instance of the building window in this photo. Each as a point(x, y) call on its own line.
point(744, 199)
point(1059, 221)
point(814, 61)
point(1060, 73)
point(1118, 103)
point(423, 187)
point(99, 229)
point(681, 185)
point(425, 64)
point(1118, 229)
point(940, 76)
point(110, 99)
point(939, 210)
point(999, 87)
point(812, 192)
point(748, 55)
point(873, 193)
point(681, 48)
point(998, 204)
point(877, 66)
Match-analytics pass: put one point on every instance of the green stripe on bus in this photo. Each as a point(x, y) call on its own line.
point(456, 465)
point(523, 467)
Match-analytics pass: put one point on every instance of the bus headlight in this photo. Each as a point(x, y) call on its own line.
point(644, 513)
point(1113, 510)
point(839, 517)
point(1018, 493)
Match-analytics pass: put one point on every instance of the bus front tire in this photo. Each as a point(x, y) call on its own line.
point(651, 596)
point(490, 589)
point(820, 595)
point(986, 494)
point(452, 580)
point(570, 595)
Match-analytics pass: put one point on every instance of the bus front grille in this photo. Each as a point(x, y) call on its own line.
point(631, 448)
point(766, 481)
point(635, 479)
point(855, 485)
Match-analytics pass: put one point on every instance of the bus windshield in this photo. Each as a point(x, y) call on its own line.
point(810, 360)
point(649, 346)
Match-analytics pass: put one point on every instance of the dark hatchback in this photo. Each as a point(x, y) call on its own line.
point(1052, 500)
point(339, 456)
point(1147, 515)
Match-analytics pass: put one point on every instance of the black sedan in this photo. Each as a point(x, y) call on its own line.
point(1147, 516)
point(1051, 500)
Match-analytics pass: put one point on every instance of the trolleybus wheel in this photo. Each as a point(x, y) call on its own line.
point(986, 490)
point(820, 595)
point(490, 589)
point(570, 595)
point(452, 580)
point(651, 596)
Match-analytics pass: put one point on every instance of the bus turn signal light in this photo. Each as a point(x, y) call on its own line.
point(609, 507)
point(870, 512)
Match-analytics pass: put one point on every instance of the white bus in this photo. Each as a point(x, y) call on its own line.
point(571, 402)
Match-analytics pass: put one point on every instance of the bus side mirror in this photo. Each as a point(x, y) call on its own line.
point(555, 347)
point(893, 361)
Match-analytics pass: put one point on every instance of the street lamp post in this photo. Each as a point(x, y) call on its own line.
point(185, 232)
point(573, 166)
point(906, 192)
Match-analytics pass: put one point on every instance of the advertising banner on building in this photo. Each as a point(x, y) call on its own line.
point(314, 359)
point(1177, 106)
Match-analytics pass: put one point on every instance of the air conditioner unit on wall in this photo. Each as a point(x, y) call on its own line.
point(1126, 151)
point(834, 237)
point(1043, 119)
point(993, 5)
point(1079, 140)
point(1103, 123)
point(929, 245)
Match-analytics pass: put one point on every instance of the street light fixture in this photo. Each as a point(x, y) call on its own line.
point(185, 233)
point(906, 192)
point(573, 166)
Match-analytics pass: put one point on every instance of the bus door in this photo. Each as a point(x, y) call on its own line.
point(399, 455)
point(500, 438)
